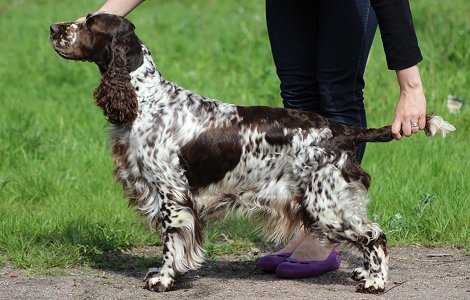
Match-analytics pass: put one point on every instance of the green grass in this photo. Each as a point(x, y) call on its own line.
point(59, 205)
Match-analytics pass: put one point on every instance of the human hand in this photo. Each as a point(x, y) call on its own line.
point(410, 113)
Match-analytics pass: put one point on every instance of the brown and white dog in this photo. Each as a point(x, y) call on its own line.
point(182, 157)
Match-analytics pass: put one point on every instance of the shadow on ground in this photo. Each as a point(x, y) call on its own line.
point(135, 264)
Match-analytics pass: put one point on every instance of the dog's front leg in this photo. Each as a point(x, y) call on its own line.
point(181, 236)
point(162, 279)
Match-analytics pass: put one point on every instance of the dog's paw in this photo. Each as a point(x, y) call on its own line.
point(158, 283)
point(372, 285)
point(359, 274)
point(151, 273)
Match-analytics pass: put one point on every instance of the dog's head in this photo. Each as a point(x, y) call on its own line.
point(110, 42)
point(99, 38)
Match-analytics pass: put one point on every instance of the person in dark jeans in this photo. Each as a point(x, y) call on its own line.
point(320, 49)
point(321, 57)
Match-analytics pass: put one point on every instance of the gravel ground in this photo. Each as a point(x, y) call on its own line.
point(416, 273)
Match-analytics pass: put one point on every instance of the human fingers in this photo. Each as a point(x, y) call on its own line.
point(396, 127)
point(406, 127)
point(422, 122)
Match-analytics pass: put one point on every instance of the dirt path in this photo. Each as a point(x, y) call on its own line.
point(416, 273)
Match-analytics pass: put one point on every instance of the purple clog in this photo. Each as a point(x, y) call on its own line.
point(269, 263)
point(292, 268)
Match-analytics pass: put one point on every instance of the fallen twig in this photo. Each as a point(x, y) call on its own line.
point(439, 255)
point(396, 284)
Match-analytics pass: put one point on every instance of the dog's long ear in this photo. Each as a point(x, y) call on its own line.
point(115, 94)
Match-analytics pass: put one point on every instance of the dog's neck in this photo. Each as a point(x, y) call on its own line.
point(146, 80)
point(151, 88)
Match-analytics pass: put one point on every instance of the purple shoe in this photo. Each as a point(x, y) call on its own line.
point(269, 263)
point(292, 268)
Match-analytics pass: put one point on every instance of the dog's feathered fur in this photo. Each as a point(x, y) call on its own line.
point(183, 158)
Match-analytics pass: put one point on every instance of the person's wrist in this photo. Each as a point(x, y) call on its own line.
point(409, 79)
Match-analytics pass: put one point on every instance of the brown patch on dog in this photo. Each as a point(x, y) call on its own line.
point(210, 156)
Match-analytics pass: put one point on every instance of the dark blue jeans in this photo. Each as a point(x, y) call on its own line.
point(320, 48)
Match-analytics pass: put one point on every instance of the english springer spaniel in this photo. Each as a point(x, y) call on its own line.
point(183, 158)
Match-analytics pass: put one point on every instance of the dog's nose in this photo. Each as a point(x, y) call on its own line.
point(55, 29)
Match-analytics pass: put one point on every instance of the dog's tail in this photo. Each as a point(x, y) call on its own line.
point(434, 125)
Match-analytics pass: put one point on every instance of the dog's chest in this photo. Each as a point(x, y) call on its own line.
point(154, 142)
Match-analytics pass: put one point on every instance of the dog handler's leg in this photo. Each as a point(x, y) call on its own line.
point(181, 235)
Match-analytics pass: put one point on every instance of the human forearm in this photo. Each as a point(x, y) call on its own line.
point(119, 7)
point(409, 78)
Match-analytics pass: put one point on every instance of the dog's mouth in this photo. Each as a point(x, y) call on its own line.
point(61, 47)
point(62, 39)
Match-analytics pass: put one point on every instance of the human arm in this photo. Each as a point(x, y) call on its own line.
point(117, 7)
point(403, 55)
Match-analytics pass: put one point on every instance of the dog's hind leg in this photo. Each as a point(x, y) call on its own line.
point(373, 245)
point(328, 213)
point(370, 240)
point(181, 235)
